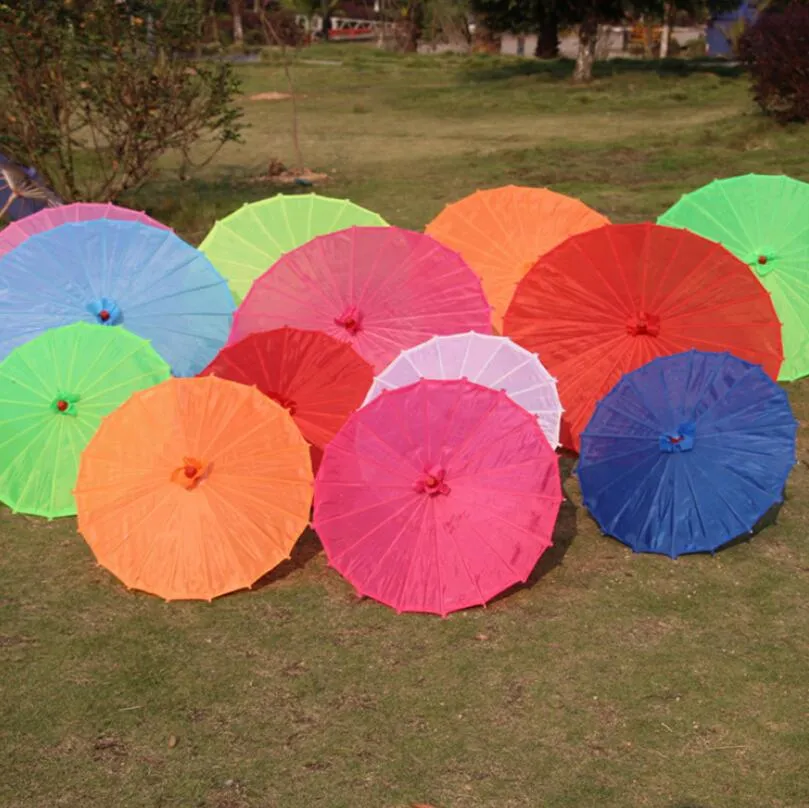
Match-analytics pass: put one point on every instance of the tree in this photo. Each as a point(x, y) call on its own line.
point(548, 30)
point(546, 16)
point(589, 14)
point(774, 50)
point(93, 92)
point(668, 24)
point(236, 9)
point(542, 17)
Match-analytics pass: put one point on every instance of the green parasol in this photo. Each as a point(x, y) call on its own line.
point(54, 391)
point(247, 243)
point(762, 220)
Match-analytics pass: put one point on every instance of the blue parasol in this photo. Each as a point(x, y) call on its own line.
point(687, 453)
point(22, 191)
point(117, 273)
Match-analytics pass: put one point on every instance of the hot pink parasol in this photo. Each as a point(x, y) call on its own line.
point(19, 231)
point(381, 289)
point(437, 496)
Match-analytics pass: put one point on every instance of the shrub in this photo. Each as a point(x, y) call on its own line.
point(94, 92)
point(776, 52)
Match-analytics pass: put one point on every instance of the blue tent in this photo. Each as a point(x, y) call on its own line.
point(719, 32)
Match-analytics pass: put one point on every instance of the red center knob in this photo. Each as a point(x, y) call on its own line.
point(762, 259)
point(62, 405)
point(190, 472)
point(350, 320)
point(431, 482)
point(103, 315)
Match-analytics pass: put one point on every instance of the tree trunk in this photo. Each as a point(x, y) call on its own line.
point(238, 27)
point(415, 16)
point(588, 36)
point(648, 39)
point(548, 39)
point(665, 37)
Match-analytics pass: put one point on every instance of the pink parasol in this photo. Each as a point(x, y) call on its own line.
point(14, 235)
point(437, 496)
point(381, 289)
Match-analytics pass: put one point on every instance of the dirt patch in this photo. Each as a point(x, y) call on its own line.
point(272, 96)
point(277, 172)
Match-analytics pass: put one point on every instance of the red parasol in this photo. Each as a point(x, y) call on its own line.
point(605, 302)
point(317, 378)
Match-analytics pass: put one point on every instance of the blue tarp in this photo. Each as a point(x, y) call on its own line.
point(718, 35)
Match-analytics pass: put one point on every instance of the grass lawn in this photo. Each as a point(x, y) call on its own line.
point(612, 679)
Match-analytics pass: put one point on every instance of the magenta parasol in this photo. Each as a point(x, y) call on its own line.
point(437, 496)
point(381, 289)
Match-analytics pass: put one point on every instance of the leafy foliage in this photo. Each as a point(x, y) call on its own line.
point(94, 92)
point(776, 51)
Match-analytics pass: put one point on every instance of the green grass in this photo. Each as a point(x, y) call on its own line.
point(613, 679)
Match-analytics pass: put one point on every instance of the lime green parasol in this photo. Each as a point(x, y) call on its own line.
point(54, 392)
point(247, 243)
point(763, 220)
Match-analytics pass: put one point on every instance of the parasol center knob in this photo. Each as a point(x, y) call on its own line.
point(432, 482)
point(189, 474)
point(65, 403)
point(105, 311)
point(680, 439)
point(643, 324)
point(763, 262)
point(350, 320)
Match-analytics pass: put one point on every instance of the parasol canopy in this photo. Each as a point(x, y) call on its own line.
point(23, 191)
point(117, 273)
point(762, 220)
point(687, 453)
point(437, 496)
point(14, 235)
point(380, 289)
point(54, 391)
point(249, 241)
point(319, 380)
point(608, 301)
point(503, 231)
point(194, 488)
point(490, 361)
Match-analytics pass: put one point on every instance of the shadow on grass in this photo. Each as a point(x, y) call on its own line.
point(563, 535)
point(309, 546)
point(768, 520)
point(306, 548)
point(563, 68)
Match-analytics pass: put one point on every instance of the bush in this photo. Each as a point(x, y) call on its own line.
point(776, 52)
point(94, 92)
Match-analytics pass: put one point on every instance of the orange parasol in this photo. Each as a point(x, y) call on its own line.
point(502, 232)
point(194, 488)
